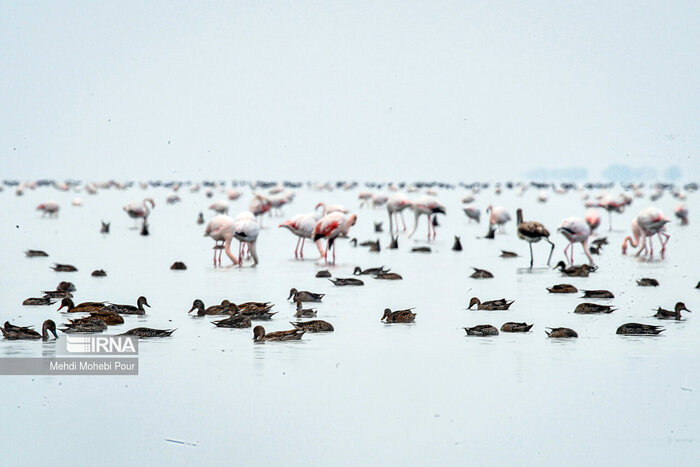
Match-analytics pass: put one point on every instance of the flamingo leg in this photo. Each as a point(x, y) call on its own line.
point(333, 252)
point(296, 250)
point(584, 244)
point(301, 251)
point(391, 222)
point(550, 251)
point(430, 218)
point(221, 250)
point(610, 221)
point(567, 249)
point(403, 221)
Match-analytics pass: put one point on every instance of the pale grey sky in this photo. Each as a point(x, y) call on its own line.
point(326, 90)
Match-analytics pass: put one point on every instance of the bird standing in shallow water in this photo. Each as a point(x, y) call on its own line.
point(533, 232)
point(575, 230)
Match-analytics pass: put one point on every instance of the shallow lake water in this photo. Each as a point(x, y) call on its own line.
point(368, 393)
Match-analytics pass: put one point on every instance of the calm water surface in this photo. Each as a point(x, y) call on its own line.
point(367, 393)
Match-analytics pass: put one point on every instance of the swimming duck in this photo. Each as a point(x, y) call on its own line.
point(64, 268)
point(252, 307)
point(647, 282)
point(500, 304)
point(85, 307)
point(399, 316)
point(394, 244)
point(668, 314)
point(35, 253)
point(323, 274)
point(316, 325)
point(148, 332)
point(200, 218)
point(89, 326)
point(304, 313)
point(482, 330)
point(99, 273)
point(35, 301)
point(234, 321)
point(562, 288)
point(421, 249)
point(178, 266)
point(304, 296)
point(374, 246)
point(131, 309)
point(65, 286)
point(223, 309)
point(105, 227)
point(516, 327)
point(369, 271)
point(457, 246)
point(378, 227)
point(12, 332)
point(57, 294)
point(575, 271)
point(600, 241)
point(109, 317)
point(389, 276)
point(481, 274)
point(637, 329)
point(597, 294)
point(588, 308)
point(561, 332)
point(508, 254)
point(291, 335)
point(340, 281)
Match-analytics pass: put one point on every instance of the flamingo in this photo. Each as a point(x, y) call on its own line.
point(576, 230)
point(331, 208)
point(473, 213)
point(301, 225)
point(330, 227)
point(681, 212)
point(221, 229)
point(259, 205)
point(49, 207)
point(234, 194)
point(638, 236)
point(219, 206)
point(395, 206)
point(246, 231)
point(533, 232)
point(279, 200)
point(611, 204)
point(592, 219)
point(364, 197)
point(379, 200)
point(137, 210)
point(426, 205)
point(652, 222)
point(498, 216)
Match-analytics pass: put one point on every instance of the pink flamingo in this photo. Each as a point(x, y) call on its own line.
point(429, 206)
point(395, 206)
point(365, 197)
point(259, 205)
point(611, 204)
point(592, 219)
point(330, 227)
point(220, 207)
point(379, 200)
point(49, 207)
point(220, 228)
point(301, 225)
point(635, 239)
point(681, 212)
point(576, 230)
point(472, 212)
point(246, 231)
point(498, 216)
point(137, 210)
point(331, 208)
point(652, 222)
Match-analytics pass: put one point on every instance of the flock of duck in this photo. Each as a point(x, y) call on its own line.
point(330, 222)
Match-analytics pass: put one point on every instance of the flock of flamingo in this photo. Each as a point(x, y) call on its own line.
point(327, 223)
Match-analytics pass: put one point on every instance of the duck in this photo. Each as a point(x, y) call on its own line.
point(304, 312)
point(597, 294)
point(85, 307)
point(57, 294)
point(105, 227)
point(562, 288)
point(131, 309)
point(500, 304)
point(109, 317)
point(516, 327)
point(508, 254)
point(259, 335)
point(358, 271)
point(99, 273)
point(234, 321)
point(481, 274)
point(148, 332)
point(648, 282)
point(421, 249)
point(575, 271)
point(35, 253)
point(223, 309)
point(12, 332)
point(178, 266)
point(561, 333)
point(65, 286)
point(324, 274)
point(341, 281)
point(378, 227)
point(89, 326)
point(600, 241)
point(394, 244)
point(668, 314)
point(252, 307)
point(389, 276)
point(316, 325)
point(375, 246)
point(200, 218)
point(457, 246)
point(38, 301)
point(304, 296)
point(399, 316)
point(637, 329)
point(589, 308)
point(482, 330)
point(64, 268)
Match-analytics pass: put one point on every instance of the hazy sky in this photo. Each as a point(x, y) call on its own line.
point(327, 90)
